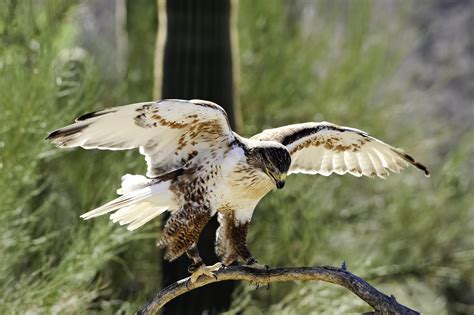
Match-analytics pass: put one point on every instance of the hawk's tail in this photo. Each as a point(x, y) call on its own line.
point(142, 200)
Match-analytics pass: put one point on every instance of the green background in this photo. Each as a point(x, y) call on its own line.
point(380, 66)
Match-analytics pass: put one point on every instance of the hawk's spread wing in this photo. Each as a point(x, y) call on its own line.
point(170, 133)
point(324, 148)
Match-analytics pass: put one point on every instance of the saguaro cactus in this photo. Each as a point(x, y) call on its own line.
point(194, 60)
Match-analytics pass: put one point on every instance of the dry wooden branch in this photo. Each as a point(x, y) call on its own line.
point(381, 303)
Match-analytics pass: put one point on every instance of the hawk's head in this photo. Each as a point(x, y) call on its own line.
point(274, 160)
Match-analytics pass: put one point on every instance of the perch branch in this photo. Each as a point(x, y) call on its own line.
point(381, 303)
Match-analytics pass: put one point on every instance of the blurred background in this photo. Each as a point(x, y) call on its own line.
point(401, 70)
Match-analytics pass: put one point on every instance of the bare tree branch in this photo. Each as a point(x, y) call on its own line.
point(381, 303)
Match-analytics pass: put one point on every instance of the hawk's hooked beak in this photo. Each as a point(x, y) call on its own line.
point(279, 180)
point(280, 184)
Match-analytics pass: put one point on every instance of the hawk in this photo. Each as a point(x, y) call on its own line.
point(198, 167)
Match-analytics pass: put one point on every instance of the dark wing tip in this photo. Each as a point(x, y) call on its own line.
point(412, 161)
point(52, 135)
point(66, 131)
point(422, 167)
point(74, 128)
point(94, 114)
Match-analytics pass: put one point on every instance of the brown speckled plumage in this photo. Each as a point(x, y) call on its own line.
point(182, 230)
point(184, 226)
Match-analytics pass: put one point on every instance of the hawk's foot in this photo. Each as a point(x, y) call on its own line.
point(203, 270)
point(253, 263)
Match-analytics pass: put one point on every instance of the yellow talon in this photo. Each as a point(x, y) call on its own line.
point(205, 270)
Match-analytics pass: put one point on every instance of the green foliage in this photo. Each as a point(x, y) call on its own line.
point(51, 261)
point(407, 235)
point(141, 26)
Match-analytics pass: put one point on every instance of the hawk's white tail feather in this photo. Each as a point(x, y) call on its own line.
point(133, 182)
point(137, 215)
point(141, 201)
point(145, 217)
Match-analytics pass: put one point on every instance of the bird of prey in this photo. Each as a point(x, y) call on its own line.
point(198, 167)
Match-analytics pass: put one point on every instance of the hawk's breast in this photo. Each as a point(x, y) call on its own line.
point(242, 185)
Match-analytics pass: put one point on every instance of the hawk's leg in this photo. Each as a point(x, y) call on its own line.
point(180, 235)
point(240, 232)
point(181, 232)
point(197, 268)
point(193, 254)
point(231, 241)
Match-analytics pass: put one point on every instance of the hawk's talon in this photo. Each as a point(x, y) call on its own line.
point(193, 267)
point(253, 263)
point(205, 270)
point(187, 284)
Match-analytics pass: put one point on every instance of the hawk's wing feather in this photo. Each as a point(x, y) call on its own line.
point(169, 133)
point(325, 148)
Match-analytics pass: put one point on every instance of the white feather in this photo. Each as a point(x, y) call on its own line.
point(376, 162)
point(326, 163)
point(352, 163)
point(139, 204)
point(338, 164)
point(133, 182)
